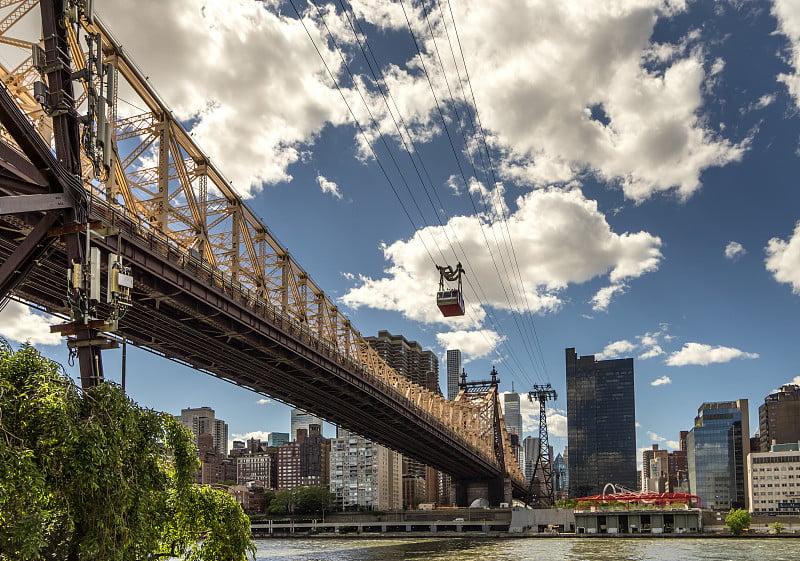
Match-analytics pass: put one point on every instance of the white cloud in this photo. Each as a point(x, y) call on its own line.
point(556, 418)
point(653, 351)
point(264, 401)
point(788, 16)
point(655, 437)
point(328, 186)
point(248, 79)
point(571, 87)
point(473, 344)
point(19, 323)
point(783, 259)
point(560, 238)
point(260, 434)
point(702, 355)
point(615, 350)
point(734, 250)
point(663, 380)
point(602, 299)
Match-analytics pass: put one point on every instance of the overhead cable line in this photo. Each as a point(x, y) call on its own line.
point(481, 129)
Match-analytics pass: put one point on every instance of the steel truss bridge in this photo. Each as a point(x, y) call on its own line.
point(211, 287)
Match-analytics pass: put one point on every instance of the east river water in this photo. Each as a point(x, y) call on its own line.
point(549, 549)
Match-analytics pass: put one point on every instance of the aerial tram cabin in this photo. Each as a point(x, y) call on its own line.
point(450, 300)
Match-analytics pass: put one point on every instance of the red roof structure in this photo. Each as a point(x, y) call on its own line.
point(656, 499)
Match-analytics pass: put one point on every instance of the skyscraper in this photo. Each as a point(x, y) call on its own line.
point(201, 420)
point(365, 474)
point(408, 358)
point(453, 372)
point(601, 426)
point(779, 417)
point(302, 420)
point(716, 450)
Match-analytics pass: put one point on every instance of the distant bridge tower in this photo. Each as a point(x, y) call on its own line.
point(540, 487)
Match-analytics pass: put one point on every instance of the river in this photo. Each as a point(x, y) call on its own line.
point(549, 549)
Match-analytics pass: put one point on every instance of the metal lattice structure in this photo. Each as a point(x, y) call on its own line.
point(540, 487)
point(187, 212)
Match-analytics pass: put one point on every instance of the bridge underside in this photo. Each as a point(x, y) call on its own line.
point(186, 312)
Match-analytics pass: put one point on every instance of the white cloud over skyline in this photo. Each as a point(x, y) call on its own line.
point(700, 354)
point(662, 381)
point(560, 239)
point(783, 259)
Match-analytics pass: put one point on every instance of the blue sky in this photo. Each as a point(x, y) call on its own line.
point(644, 157)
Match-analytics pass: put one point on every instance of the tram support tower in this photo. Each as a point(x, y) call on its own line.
point(540, 487)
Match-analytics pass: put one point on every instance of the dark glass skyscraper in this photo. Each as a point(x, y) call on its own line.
point(601, 418)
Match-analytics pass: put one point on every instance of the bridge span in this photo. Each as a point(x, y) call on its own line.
point(210, 286)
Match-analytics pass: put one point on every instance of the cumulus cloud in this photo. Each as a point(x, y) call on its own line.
point(788, 17)
point(19, 323)
point(783, 259)
point(556, 418)
point(734, 250)
point(615, 350)
point(560, 238)
point(247, 78)
point(604, 98)
point(473, 344)
point(663, 380)
point(602, 299)
point(655, 437)
point(264, 401)
point(702, 355)
point(328, 186)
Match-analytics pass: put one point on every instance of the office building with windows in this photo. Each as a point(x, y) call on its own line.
point(453, 372)
point(202, 420)
point(302, 420)
point(779, 417)
point(601, 423)
point(716, 449)
point(774, 480)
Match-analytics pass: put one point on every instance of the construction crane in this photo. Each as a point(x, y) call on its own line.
point(540, 487)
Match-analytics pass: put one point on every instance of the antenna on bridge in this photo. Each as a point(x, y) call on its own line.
point(540, 487)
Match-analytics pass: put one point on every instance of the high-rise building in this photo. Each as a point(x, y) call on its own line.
point(560, 477)
point(408, 358)
point(513, 418)
point(278, 438)
point(655, 470)
point(779, 417)
point(531, 447)
point(411, 361)
point(304, 462)
point(774, 480)
point(364, 474)
point(453, 372)
point(601, 426)
point(716, 450)
point(302, 420)
point(201, 420)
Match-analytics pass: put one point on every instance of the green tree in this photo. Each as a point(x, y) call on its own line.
point(314, 501)
point(777, 527)
point(737, 520)
point(91, 476)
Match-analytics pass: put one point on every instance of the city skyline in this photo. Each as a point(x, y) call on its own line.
point(646, 176)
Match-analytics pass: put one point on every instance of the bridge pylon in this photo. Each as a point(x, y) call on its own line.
point(497, 490)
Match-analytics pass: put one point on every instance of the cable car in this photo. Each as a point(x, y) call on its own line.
point(450, 300)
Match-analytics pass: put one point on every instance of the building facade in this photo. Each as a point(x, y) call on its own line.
point(278, 438)
point(716, 450)
point(601, 426)
point(304, 462)
point(774, 480)
point(453, 372)
point(364, 474)
point(421, 366)
point(655, 470)
point(302, 420)
point(779, 417)
point(202, 420)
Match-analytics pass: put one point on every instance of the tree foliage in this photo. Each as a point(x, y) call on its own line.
point(737, 520)
point(91, 476)
point(302, 501)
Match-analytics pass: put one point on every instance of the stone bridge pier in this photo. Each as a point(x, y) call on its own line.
point(496, 491)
